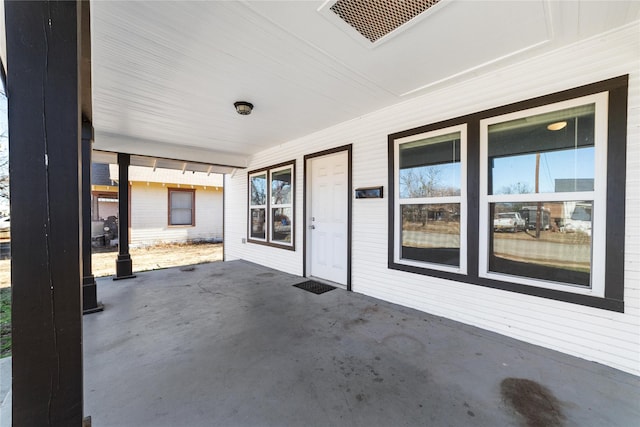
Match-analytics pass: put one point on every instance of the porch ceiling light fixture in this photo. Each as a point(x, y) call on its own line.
point(244, 108)
point(557, 126)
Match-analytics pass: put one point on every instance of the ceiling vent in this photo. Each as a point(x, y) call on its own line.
point(375, 19)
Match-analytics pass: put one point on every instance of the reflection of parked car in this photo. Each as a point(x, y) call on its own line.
point(580, 220)
point(508, 221)
point(572, 226)
point(530, 216)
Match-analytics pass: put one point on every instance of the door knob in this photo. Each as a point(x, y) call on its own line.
point(312, 227)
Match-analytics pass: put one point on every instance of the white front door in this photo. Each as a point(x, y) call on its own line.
point(327, 217)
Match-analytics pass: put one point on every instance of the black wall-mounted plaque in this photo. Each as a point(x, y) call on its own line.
point(369, 193)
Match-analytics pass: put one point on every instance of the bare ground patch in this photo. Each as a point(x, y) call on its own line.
point(143, 259)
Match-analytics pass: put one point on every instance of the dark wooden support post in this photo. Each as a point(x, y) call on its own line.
point(90, 302)
point(124, 269)
point(45, 158)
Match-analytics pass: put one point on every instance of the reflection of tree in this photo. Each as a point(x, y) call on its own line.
point(259, 190)
point(280, 191)
point(424, 182)
point(517, 188)
point(431, 213)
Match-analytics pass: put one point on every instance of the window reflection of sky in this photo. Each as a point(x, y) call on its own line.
point(518, 172)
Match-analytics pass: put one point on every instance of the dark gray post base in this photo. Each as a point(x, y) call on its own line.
point(90, 303)
point(124, 268)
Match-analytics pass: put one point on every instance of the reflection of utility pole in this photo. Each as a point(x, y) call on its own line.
point(539, 205)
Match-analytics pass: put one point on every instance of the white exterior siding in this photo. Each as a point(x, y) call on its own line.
point(149, 215)
point(607, 337)
point(107, 209)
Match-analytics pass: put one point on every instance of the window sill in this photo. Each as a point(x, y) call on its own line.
point(271, 244)
point(553, 294)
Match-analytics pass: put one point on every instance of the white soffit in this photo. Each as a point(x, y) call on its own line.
point(109, 157)
point(168, 176)
point(166, 74)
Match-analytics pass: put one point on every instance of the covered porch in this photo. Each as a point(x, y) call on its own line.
point(235, 344)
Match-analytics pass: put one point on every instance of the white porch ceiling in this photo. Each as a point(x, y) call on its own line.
point(165, 74)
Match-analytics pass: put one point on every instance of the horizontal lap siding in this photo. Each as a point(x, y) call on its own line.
point(603, 336)
point(149, 216)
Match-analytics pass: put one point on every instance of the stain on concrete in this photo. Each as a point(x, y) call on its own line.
point(371, 309)
point(189, 268)
point(355, 322)
point(534, 402)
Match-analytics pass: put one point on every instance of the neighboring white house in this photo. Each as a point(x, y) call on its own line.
point(167, 206)
point(469, 133)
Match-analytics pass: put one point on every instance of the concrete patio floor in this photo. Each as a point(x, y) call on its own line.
point(235, 344)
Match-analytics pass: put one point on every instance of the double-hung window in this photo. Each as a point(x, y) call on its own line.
point(527, 197)
point(182, 206)
point(430, 199)
point(271, 207)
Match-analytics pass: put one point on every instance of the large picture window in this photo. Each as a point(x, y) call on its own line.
point(543, 193)
point(430, 199)
point(527, 197)
point(271, 209)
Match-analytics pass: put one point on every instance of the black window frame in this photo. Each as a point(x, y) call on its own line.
point(437, 258)
point(268, 241)
point(613, 299)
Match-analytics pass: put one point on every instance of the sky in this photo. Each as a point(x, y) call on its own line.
point(565, 164)
point(510, 171)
